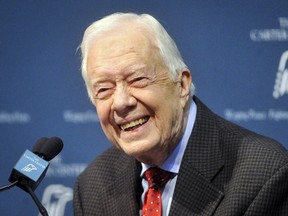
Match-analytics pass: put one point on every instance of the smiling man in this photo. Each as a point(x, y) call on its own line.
point(171, 154)
point(140, 107)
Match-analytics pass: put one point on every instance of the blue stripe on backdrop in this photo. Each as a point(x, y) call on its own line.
point(236, 50)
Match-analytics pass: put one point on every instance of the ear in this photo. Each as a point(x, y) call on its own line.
point(185, 81)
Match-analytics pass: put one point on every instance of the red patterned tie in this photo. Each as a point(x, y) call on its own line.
point(157, 178)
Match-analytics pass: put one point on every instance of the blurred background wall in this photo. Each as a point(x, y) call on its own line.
point(237, 52)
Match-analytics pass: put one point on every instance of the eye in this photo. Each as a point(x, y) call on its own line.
point(103, 92)
point(140, 82)
point(138, 79)
point(100, 90)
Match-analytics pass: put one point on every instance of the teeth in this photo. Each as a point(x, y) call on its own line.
point(134, 123)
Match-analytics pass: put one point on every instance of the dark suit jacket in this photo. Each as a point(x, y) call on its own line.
point(226, 171)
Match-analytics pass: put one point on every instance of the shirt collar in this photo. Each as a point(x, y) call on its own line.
point(172, 163)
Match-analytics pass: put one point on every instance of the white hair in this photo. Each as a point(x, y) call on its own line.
point(167, 48)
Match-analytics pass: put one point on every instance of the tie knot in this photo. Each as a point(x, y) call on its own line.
point(157, 177)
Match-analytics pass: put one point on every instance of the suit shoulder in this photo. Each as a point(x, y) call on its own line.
point(251, 139)
point(235, 137)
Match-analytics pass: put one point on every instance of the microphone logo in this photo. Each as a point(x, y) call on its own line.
point(29, 168)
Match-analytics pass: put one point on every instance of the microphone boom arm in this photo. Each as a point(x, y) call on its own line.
point(41, 208)
point(7, 187)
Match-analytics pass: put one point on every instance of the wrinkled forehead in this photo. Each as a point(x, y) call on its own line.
point(118, 47)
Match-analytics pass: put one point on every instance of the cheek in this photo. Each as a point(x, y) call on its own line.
point(171, 112)
point(107, 127)
point(103, 112)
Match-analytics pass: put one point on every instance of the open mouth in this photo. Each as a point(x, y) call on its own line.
point(134, 124)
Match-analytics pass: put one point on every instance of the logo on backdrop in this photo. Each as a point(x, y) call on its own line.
point(56, 196)
point(274, 34)
point(256, 115)
point(281, 81)
point(59, 169)
point(14, 117)
point(55, 199)
point(29, 168)
point(87, 116)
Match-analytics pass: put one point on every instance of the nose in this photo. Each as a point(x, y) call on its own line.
point(123, 100)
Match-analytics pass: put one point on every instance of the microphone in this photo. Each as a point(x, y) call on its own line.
point(38, 145)
point(32, 166)
point(52, 147)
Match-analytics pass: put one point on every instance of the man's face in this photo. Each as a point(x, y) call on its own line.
point(139, 105)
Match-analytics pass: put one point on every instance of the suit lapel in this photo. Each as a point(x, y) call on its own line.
point(195, 193)
point(122, 197)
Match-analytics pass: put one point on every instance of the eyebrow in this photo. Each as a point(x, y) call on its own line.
point(129, 69)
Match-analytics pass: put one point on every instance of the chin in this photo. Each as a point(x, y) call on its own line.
point(147, 155)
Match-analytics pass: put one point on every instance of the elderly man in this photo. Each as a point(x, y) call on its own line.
point(171, 154)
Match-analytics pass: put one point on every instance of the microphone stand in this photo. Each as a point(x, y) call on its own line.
point(8, 186)
point(41, 208)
